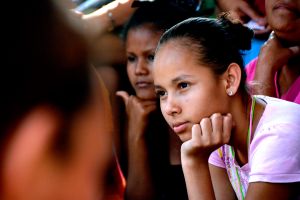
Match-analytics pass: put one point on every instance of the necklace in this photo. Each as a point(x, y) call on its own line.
point(249, 137)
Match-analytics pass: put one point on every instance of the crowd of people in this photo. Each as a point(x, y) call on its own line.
point(185, 116)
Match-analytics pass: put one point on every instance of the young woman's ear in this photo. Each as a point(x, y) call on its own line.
point(233, 79)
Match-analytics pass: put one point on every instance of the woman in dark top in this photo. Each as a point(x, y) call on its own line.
point(152, 164)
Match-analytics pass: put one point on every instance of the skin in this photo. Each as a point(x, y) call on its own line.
point(188, 88)
point(282, 47)
point(50, 150)
point(140, 48)
point(185, 86)
point(180, 88)
point(243, 11)
point(98, 22)
point(45, 173)
point(283, 17)
point(141, 44)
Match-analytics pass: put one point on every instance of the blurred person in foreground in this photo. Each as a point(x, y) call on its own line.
point(55, 119)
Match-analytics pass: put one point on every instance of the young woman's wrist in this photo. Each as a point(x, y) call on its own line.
point(266, 65)
point(193, 161)
point(136, 137)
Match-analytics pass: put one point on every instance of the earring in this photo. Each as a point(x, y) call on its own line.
point(230, 93)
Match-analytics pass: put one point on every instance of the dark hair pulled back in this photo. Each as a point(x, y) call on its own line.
point(161, 16)
point(216, 42)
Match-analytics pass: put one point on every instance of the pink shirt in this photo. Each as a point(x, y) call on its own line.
point(274, 152)
point(293, 94)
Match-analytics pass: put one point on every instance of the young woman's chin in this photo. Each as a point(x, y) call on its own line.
point(289, 38)
point(184, 136)
point(147, 94)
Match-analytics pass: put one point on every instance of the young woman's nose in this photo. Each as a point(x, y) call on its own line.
point(172, 107)
point(141, 68)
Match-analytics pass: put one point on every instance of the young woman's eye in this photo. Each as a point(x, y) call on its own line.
point(160, 93)
point(183, 85)
point(131, 58)
point(151, 57)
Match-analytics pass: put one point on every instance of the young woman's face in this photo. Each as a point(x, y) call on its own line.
point(140, 48)
point(284, 18)
point(188, 91)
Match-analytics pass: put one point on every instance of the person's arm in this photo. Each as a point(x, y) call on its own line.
point(244, 12)
point(241, 9)
point(198, 179)
point(139, 180)
point(207, 136)
point(107, 17)
point(272, 57)
point(221, 183)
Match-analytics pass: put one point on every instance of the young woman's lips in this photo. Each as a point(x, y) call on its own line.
point(143, 84)
point(180, 127)
point(287, 7)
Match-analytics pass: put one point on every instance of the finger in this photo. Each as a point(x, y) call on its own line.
point(206, 129)
point(148, 102)
point(265, 31)
point(124, 95)
point(217, 125)
point(272, 40)
point(235, 15)
point(294, 50)
point(150, 108)
point(140, 103)
point(227, 127)
point(196, 133)
point(248, 10)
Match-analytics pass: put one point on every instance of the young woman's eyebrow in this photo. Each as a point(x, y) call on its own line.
point(157, 87)
point(175, 80)
point(180, 78)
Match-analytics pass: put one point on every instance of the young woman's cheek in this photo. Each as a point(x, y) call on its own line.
point(163, 110)
point(130, 72)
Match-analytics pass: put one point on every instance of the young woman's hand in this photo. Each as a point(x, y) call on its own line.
point(138, 112)
point(240, 9)
point(244, 12)
point(139, 167)
point(272, 57)
point(207, 136)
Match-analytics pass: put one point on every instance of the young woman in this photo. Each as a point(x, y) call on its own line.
point(153, 165)
point(199, 78)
